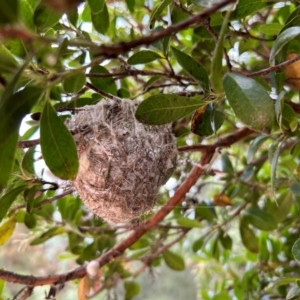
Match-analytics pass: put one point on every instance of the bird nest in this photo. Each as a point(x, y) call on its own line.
point(122, 162)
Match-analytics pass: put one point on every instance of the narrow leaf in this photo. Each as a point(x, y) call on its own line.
point(58, 147)
point(260, 219)
point(143, 57)
point(7, 229)
point(12, 111)
point(245, 8)
point(165, 108)
point(193, 68)
point(173, 260)
point(248, 237)
point(48, 235)
point(157, 11)
point(188, 223)
point(250, 102)
point(284, 206)
point(7, 200)
point(216, 64)
point(96, 5)
point(282, 39)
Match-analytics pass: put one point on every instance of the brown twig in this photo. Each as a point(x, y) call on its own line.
point(123, 47)
point(274, 68)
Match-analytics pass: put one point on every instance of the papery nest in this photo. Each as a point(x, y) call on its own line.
point(122, 162)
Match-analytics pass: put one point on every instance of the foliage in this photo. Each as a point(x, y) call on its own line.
point(226, 74)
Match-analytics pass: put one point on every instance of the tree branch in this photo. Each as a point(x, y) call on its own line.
point(142, 228)
point(123, 47)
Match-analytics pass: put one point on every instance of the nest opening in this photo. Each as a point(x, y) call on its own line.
point(122, 162)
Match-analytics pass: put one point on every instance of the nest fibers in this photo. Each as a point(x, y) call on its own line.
point(122, 162)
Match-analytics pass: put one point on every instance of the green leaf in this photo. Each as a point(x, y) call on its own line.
point(226, 165)
point(9, 11)
point(198, 244)
point(132, 289)
point(48, 235)
point(282, 39)
point(284, 204)
point(296, 250)
point(245, 8)
point(250, 102)
point(205, 212)
point(96, 5)
point(105, 84)
point(165, 108)
point(216, 64)
point(45, 18)
point(193, 68)
point(177, 15)
point(100, 20)
point(7, 199)
point(28, 161)
point(225, 240)
point(173, 260)
point(12, 111)
point(8, 63)
point(157, 11)
point(58, 147)
point(270, 29)
point(254, 146)
point(294, 292)
point(26, 14)
point(74, 83)
point(143, 57)
point(248, 237)
point(130, 5)
point(188, 223)
point(7, 229)
point(260, 219)
point(295, 188)
point(273, 154)
point(207, 123)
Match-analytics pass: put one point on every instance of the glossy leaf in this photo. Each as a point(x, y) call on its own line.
point(282, 39)
point(273, 154)
point(74, 83)
point(250, 102)
point(58, 147)
point(12, 111)
point(100, 20)
point(295, 188)
point(198, 244)
point(132, 289)
point(143, 57)
point(7, 229)
point(173, 260)
point(157, 11)
point(165, 108)
point(105, 84)
point(8, 198)
point(193, 68)
point(260, 219)
point(9, 11)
